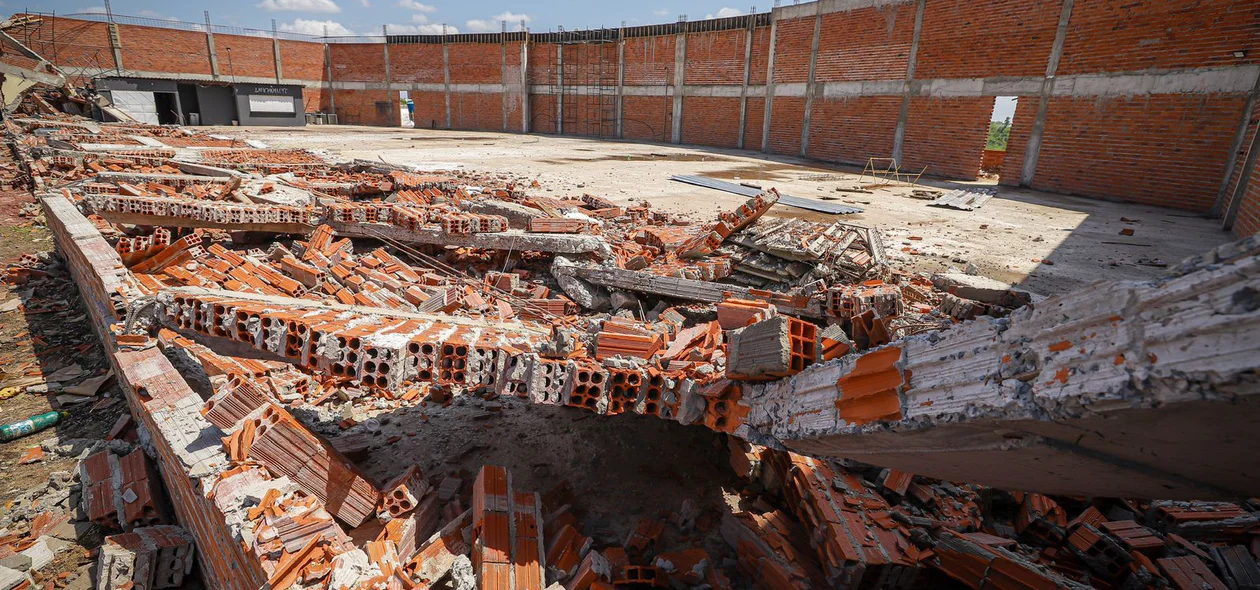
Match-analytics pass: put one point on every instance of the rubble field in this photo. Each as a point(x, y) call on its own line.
point(346, 373)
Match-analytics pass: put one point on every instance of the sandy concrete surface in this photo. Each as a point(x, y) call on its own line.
point(1047, 242)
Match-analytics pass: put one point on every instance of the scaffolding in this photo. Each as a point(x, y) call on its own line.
point(583, 77)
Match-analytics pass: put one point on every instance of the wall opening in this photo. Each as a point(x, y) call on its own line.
point(999, 134)
point(167, 108)
point(406, 109)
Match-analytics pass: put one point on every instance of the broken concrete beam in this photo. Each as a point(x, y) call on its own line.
point(148, 558)
point(1083, 384)
point(506, 240)
point(687, 289)
point(518, 216)
point(770, 349)
point(982, 289)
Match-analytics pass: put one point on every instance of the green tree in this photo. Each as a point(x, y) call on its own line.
point(999, 133)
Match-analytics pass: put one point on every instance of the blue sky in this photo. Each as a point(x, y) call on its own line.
point(349, 17)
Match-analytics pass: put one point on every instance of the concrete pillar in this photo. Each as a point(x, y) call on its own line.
point(899, 134)
point(503, 75)
point(769, 100)
point(332, 88)
point(743, 90)
point(809, 82)
point(214, 58)
point(525, 106)
point(115, 45)
point(275, 50)
point(1033, 150)
point(680, 78)
point(446, 76)
point(560, 89)
point(395, 116)
point(621, 82)
point(1239, 137)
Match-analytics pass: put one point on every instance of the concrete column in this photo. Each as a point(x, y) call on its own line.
point(560, 89)
point(275, 50)
point(769, 99)
point(503, 75)
point(115, 45)
point(680, 78)
point(1239, 137)
point(395, 117)
point(214, 58)
point(332, 88)
point(899, 134)
point(525, 107)
point(1033, 150)
point(743, 90)
point(621, 82)
point(446, 78)
point(809, 82)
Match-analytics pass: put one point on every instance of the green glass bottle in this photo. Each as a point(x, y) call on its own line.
point(35, 423)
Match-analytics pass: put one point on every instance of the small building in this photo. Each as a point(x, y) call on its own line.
point(163, 101)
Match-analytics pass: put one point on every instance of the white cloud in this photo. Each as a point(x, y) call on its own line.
point(365, 3)
point(324, 6)
point(93, 10)
point(416, 6)
point(419, 19)
point(316, 27)
point(491, 24)
point(154, 14)
point(725, 12)
point(661, 12)
point(429, 29)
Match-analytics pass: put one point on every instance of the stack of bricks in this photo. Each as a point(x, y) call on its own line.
point(120, 492)
point(558, 225)
point(507, 543)
point(147, 558)
point(771, 349)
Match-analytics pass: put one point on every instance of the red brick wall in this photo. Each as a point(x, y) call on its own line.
point(650, 61)
point(968, 39)
point(421, 63)
point(793, 41)
point(366, 107)
point(786, 117)
point(865, 44)
point(1017, 142)
point(542, 113)
point(514, 99)
point(475, 63)
point(357, 62)
point(314, 99)
point(647, 118)
point(716, 58)
point(853, 129)
point(947, 135)
point(1123, 35)
point(250, 56)
point(150, 49)
point(1248, 221)
point(542, 63)
point(70, 43)
point(430, 108)
point(475, 111)
point(752, 123)
point(711, 121)
point(1240, 158)
point(1163, 149)
point(300, 60)
point(760, 55)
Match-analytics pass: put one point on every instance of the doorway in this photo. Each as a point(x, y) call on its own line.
point(999, 135)
point(167, 106)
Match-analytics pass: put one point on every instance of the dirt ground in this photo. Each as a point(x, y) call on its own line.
point(1010, 238)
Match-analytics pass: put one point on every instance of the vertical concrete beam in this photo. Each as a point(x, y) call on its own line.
point(446, 76)
point(680, 78)
point(621, 81)
point(769, 100)
point(396, 118)
point(899, 134)
point(1240, 190)
point(275, 51)
point(1239, 137)
point(503, 75)
point(809, 82)
point(1033, 150)
point(115, 45)
point(332, 88)
point(560, 88)
point(743, 90)
point(214, 58)
point(525, 107)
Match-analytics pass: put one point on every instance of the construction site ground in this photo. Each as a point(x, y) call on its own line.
point(1048, 243)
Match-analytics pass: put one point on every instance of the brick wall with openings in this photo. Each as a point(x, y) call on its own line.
point(853, 129)
point(649, 61)
point(150, 49)
point(947, 135)
point(1163, 149)
point(72, 44)
point(716, 58)
point(542, 113)
point(967, 39)
point(1248, 220)
point(711, 121)
point(300, 60)
point(357, 62)
point(1122, 35)
point(648, 118)
point(792, 43)
point(366, 107)
point(1017, 142)
point(752, 123)
point(476, 63)
point(866, 44)
point(249, 56)
point(416, 62)
point(786, 118)
point(430, 110)
point(476, 111)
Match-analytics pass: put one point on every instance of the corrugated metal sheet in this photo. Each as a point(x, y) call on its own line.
point(748, 191)
point(966, 199)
